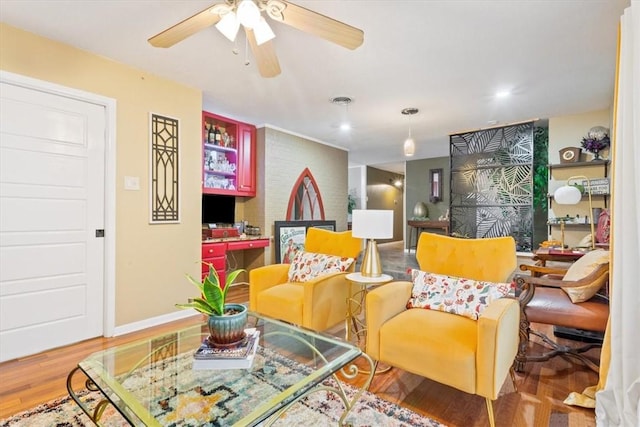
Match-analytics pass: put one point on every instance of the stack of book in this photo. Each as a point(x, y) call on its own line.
point(237, 357)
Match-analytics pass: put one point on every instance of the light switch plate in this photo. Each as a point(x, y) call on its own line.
point(132, 183)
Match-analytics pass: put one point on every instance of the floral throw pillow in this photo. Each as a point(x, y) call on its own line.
point(465, 297)
point(309, 265)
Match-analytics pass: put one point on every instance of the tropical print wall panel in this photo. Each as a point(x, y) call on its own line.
point(492, 183)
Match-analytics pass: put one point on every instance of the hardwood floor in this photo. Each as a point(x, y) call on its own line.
point(29, 381)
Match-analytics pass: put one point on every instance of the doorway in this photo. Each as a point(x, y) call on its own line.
point(55, 264)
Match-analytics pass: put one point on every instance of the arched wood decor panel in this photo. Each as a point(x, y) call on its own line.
point(305, 201)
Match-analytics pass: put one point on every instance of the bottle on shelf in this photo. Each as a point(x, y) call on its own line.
point(217, 136)
point(211, 135)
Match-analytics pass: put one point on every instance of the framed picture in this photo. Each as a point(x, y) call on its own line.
point(327, 225)
point(435, 188)
point(290, 237)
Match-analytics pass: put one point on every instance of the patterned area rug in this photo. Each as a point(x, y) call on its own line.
point(210, 400)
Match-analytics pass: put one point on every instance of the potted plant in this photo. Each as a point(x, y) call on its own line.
point(596, 140)
point(351, 203)
point(226, 321)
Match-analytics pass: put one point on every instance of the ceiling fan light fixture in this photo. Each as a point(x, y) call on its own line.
point(248, 13)
point(229, 25)
point(263, 32)
point(274, 9)
point(221, 9)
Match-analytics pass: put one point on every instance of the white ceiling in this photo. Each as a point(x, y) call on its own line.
point(448, 58)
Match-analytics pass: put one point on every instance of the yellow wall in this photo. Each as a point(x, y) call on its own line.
point(151, 260)
point(568, 131)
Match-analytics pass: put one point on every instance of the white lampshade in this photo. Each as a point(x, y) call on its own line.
point(263, 32)
point(372, 224)
point(567, 195)
point(229, 25)
point(409, 147)
point(248, 13)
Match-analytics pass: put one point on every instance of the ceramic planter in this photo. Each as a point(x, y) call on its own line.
point(228, 330)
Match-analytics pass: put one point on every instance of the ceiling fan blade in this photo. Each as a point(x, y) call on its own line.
point(322, 26)
point(265, 55)
point(184, 29)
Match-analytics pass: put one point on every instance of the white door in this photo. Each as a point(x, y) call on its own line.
point(52, 186)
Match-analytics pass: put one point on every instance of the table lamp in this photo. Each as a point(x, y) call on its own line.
point(571, 195)
point(372, 224)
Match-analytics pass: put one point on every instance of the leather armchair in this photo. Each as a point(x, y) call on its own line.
point(542, 300)
point(472, 356)
point(317, 304)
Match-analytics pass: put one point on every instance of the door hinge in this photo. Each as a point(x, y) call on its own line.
point(100, 233)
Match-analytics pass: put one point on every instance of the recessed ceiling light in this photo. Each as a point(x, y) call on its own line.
point(503, 94)
point(345, 126)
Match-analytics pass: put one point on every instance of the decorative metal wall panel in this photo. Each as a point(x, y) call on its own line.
point(165, 188)
point(492, 183)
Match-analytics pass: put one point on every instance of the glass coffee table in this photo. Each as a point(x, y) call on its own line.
point(151, 382)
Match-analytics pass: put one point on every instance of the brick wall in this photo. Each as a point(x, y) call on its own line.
point(281, 158)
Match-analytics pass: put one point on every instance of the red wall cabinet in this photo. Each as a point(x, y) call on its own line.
point(246, 151)
point(228, 156)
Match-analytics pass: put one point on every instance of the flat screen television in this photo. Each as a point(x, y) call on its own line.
point(218, 209)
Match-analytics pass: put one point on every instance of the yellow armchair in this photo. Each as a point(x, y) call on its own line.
point(317, 304)
point(472, 356)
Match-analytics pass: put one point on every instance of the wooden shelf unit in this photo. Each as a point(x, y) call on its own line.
point(604, 164)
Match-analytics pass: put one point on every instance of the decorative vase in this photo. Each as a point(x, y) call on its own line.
point(596, 155)
point(228, 330)
point(420, 210)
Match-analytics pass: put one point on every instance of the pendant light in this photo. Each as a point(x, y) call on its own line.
point(345, 125)
point(409, 143)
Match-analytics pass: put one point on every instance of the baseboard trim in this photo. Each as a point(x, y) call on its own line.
point(153, 321)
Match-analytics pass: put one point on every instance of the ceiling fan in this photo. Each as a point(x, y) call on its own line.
point(228, 16)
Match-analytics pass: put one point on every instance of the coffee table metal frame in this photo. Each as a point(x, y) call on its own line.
point(98, 368)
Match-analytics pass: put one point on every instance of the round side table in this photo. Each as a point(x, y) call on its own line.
point(356, 306)
point(355, 303)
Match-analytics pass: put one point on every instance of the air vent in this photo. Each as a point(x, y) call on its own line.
point(341, 100)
